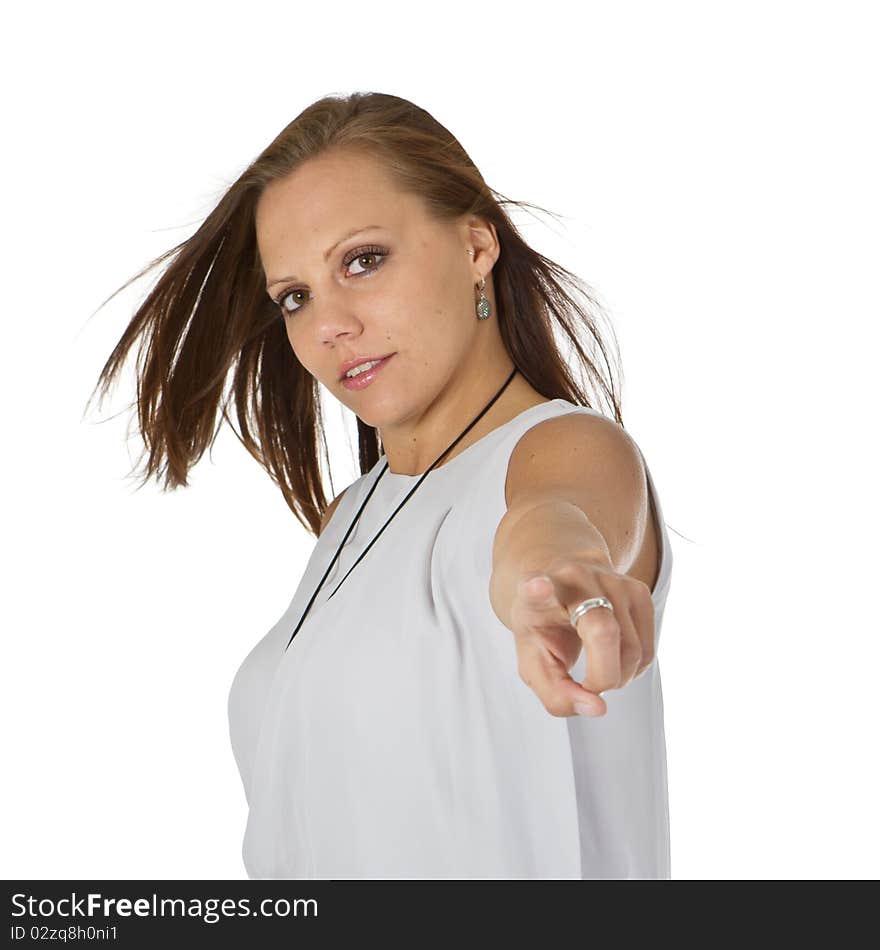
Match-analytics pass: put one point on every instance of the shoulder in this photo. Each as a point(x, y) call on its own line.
point(574, 449)
point(589, 460)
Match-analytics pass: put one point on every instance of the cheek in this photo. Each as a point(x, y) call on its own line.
point(300, 348)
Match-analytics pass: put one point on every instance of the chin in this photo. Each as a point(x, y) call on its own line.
point(377, 416)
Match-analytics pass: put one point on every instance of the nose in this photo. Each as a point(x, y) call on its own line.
point(334, 318)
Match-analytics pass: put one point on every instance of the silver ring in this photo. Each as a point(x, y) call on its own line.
point(586, 605)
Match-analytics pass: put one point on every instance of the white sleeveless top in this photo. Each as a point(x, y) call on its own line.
point(394, 739)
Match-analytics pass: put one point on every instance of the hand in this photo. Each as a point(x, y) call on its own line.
point(619, 646)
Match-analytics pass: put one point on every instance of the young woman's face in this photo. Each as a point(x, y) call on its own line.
point(404, 285)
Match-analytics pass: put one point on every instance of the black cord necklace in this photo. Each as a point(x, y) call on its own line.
point(486, 408)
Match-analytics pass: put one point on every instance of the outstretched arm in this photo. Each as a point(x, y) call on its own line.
point(576, 520)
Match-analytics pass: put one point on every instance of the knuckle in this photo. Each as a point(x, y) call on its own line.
point(640, 588)
point(640, 594)
point(602, 684)
point(632, 656)
point(557, 708)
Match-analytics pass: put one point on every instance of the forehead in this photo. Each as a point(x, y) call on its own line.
point(327, 195)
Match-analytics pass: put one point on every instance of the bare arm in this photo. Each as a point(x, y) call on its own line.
point(577, 508)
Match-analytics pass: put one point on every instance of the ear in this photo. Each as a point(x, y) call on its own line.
point(480, 235)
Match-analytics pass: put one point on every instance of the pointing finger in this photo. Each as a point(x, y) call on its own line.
point(546, 675)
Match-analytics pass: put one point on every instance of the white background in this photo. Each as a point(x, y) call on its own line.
point(716, 165)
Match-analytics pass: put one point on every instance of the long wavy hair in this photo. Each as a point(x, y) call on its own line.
point(208, 316)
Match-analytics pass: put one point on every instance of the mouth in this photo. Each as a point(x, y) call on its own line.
point(365, 377)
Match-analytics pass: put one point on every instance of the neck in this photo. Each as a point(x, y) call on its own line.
point(412, 448)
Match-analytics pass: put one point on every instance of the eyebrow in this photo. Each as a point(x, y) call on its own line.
point(327, 253)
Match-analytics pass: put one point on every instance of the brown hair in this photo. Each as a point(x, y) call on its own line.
point(209, 311)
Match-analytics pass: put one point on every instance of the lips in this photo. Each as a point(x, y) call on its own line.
point(350, 364)
point(367, 377)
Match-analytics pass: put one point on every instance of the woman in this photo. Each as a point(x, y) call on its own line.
point(465, 682)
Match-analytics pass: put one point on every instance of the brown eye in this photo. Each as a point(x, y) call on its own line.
point(369, 254)
point(286, 311)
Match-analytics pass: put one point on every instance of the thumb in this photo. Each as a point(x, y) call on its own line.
point(539, 590)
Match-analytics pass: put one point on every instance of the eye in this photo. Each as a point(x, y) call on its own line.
point(371, 253)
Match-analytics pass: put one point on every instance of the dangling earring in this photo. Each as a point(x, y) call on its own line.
point(483, 306)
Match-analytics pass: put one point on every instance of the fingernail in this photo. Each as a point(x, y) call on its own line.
point(582, 709)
